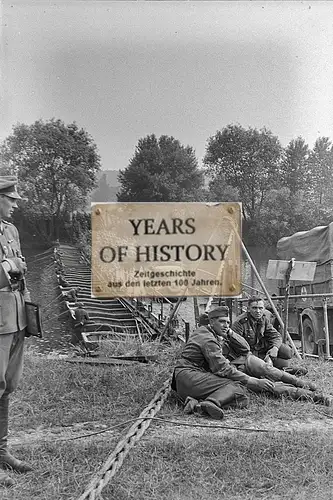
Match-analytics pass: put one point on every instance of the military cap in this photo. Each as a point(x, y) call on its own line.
point(203, 319)
point(8, 186)
point(221, 311)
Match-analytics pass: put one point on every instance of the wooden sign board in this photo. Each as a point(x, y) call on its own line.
point(302, 271)
point(166, 249)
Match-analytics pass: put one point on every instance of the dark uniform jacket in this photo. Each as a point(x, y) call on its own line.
point(260, 335)
point(81, 317)
point(206, 352)
point(12, 302)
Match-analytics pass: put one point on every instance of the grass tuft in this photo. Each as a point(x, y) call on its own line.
point(170, 462)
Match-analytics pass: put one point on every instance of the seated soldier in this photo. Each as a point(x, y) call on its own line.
point(72, 294)
point(203, 373)
point(62, 281)
point(264, 340)
point(81, 318)
point(217, 367)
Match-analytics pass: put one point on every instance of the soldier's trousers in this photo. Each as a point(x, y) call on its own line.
point(76, 337)
point(256, 367)
point(285, 384)
point(298, 394)
point(202, 385)
point(11, 367)
point(11, 361)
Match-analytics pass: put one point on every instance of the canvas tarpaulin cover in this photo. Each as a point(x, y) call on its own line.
point(315, 245)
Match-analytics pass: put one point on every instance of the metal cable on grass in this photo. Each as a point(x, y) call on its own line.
point(116, 458)
point(176, 423)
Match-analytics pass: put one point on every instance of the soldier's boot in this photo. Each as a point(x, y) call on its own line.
point(300, 394)
point(287, 378)
point(299, 371)
point(232, 395)
point(257, 367)
point(190, 405)
point(6, 481)
point(206, 407)
point(318, 397)
point(7, 461)
point(211, 409)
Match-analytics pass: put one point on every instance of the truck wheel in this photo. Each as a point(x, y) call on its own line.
point(310, 345)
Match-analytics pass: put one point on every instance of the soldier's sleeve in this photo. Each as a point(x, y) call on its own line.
point(238, 343)
point(272, 336)
point(4, 278)
point(238, 327)
point(219, 365)
point(26, 293)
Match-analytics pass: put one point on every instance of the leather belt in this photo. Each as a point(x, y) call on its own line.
point(13, 287)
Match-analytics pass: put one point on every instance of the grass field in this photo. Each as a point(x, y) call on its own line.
point(288, 457)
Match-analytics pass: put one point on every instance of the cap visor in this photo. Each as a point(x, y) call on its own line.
point(14, 195)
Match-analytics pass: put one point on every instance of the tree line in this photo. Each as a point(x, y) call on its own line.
point(282, 189)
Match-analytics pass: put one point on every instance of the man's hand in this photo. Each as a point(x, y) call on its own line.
point(262, 384)
point(268, 360)
point(272, 352)
point(225, 333)
point(16, 267)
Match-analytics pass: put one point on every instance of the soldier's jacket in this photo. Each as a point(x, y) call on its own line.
point(81, 316)
point(71, 294)
point(260, 335)
point(12, 303)
point(205, 352)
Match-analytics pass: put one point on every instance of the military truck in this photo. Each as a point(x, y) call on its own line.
point(315, 245)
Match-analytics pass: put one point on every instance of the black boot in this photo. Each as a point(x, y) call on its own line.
point(232, 395)
point(190, 405)
point(7, 461)
point(302, 383)
point(211, 409)
point(300, 394)
point(6, 481)
point(318, 397)
point(298, 372)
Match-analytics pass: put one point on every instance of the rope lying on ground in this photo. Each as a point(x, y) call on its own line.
point(116, 458)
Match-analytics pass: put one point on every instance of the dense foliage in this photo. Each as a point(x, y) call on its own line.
point(283, 190)
point(161, 170)
point(56, 165)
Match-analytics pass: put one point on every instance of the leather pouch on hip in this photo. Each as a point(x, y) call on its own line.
point(34, 320)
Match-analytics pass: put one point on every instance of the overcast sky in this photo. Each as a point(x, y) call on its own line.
point(123, 70)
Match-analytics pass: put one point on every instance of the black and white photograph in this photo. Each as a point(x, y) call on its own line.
point(166, 250)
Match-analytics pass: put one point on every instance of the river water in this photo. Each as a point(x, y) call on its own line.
point(57, 325)
point(43, 287)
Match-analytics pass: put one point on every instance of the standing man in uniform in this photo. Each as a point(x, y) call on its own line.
point(13, 294)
